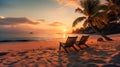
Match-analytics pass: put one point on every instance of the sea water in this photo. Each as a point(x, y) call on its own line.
point(39, 37)
point(31, 37)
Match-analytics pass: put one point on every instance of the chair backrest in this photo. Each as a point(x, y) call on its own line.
point(71, 41)
point(83, 39)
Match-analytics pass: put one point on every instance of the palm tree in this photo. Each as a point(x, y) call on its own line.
point(113, 10)
point(93, 16)
point(113, 13)
point(114, 2)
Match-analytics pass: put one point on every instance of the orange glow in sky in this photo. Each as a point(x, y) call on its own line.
point(64, 30)
point(50, 16)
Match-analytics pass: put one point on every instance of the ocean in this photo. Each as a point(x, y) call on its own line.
point(32, 37)
point(38, 37)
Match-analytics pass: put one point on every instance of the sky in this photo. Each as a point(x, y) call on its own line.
point(42, 16)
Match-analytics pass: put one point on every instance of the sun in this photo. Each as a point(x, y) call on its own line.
point(2, 17)
point(64, 30)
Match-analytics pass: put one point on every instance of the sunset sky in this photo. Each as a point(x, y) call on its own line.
point(44, 16)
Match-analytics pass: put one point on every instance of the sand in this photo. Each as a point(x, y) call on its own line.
point(46, 54)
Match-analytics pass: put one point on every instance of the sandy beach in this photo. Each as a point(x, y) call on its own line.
point(47, 54)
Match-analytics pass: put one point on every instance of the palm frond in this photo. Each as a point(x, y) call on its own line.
point(85, 24)
point(79, 10)
point(78, 20)
point(114, 2)
point(103, 7)
point(90, 6)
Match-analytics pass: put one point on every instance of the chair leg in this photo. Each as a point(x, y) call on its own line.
point(75, 48)
point(59, 47)
point(86, 45)
point(65, 50)
point(79, 47)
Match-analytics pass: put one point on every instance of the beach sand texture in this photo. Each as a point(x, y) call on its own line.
point(46, 54)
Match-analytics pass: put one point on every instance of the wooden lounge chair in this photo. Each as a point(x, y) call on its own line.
point(82, 41)
point(69, 43)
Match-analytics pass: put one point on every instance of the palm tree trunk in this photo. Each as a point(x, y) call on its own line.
point(104, 36)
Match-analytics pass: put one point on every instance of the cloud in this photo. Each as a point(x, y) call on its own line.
point(41, 20)
point(16, 21)
point(56, 24)
point(74, 3)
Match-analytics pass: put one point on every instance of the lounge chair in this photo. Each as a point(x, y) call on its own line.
point(69, 43)
point(82, 41)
